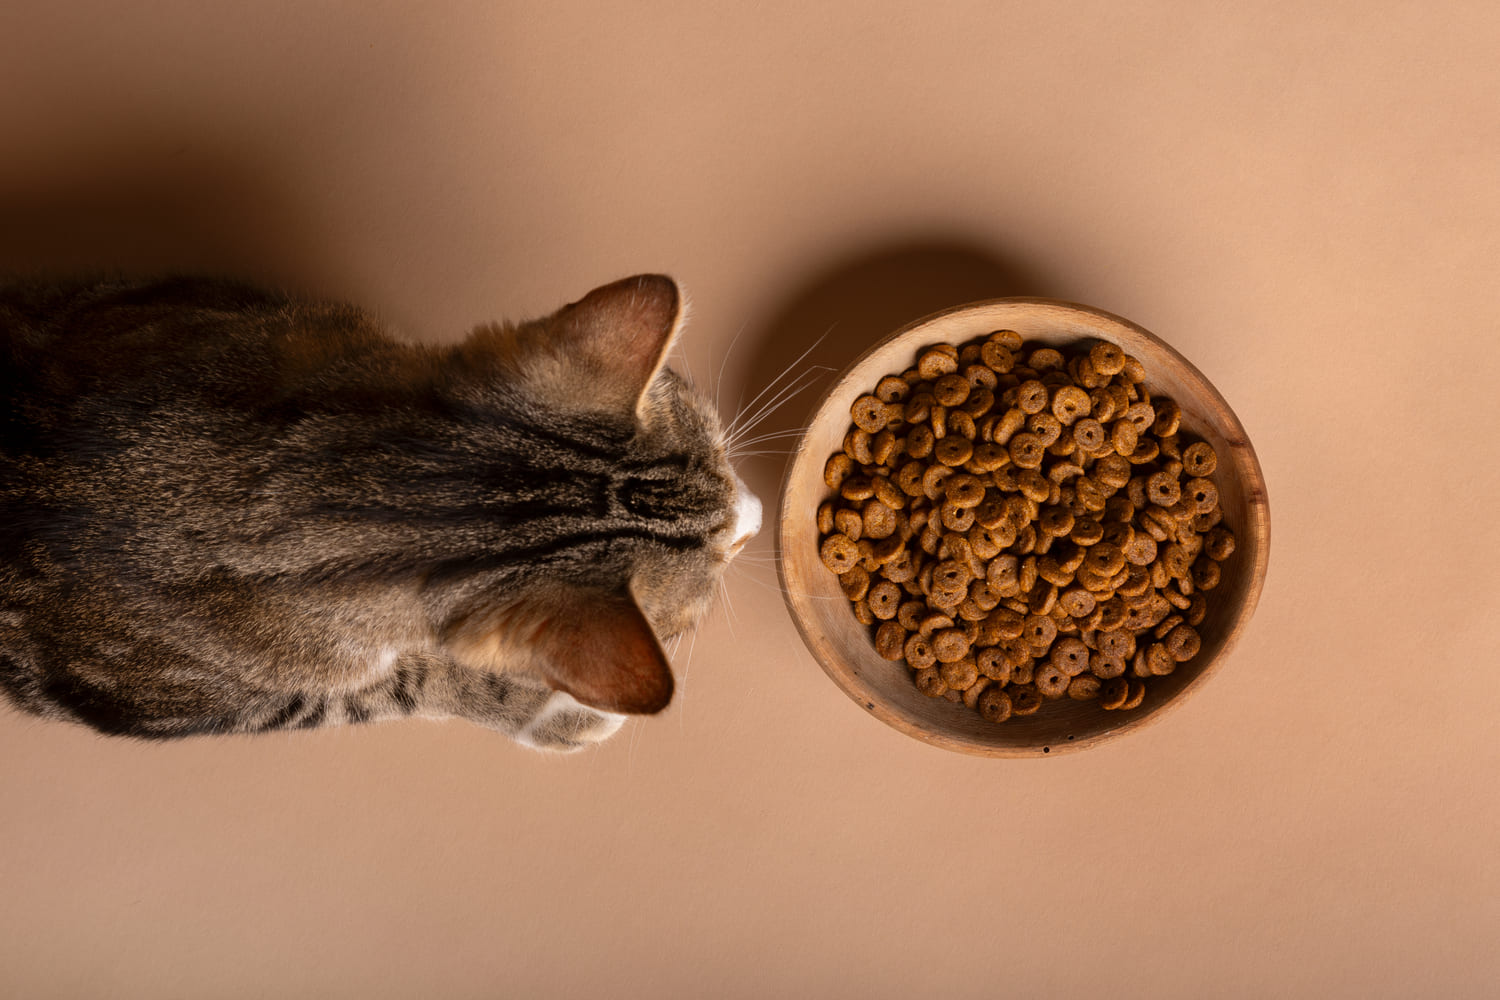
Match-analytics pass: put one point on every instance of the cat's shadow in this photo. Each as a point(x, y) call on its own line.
point(834, 316)
point(154, 198)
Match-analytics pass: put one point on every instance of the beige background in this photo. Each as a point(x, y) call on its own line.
point(1304, 199)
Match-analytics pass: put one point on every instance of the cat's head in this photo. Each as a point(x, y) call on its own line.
point(677, 512)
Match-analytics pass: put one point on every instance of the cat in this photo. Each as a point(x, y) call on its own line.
point(229, 510)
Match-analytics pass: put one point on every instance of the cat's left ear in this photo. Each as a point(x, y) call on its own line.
point(621, 334)
point(599, 648)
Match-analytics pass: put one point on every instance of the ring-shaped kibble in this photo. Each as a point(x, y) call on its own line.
point(1146, 450)
point(1070, 404)
point(1168, 418)
point(839, 553)
point(849, 522)
point(1101, 405)
point(1106, 358)
point(1206, 574)
point(1116, 643)
point(939, 421)
point(1039, 632)
point(1158, 524)
point(992, 663)
point(901, 569)
point(919, 653)
point(1031, 397)
point(960, 424)
point(1088, 434)
point(1113, 692)
point(1137, 695)
point(951, 572)
point(1124, 437)
point(908, 478)
point(984, 542)
point(1159, 660)
point(1196, 609)
point(1175, 558)
point(1043, 600)
point(953, 451)
point(1021, 670)
point(981, 378)
point(911, 613)
point(1025, 699)
point(1052, 571)
point(933, 364)
point(879, 520)
point(892, 389)
point(956, 518)
point(857, 488)
point(1045, 426)
point(1056, 521)
point(981, 400)
point(988, 456)
point(1051, 682)
point(1011, 421)
point(1027, 451)
point(862, 613)
point(1089, 494)
point(1003, 574)
point(1112, 470)
point(951, 389)
point(1044, 359)
point(1086, 531)
point(918, 408)
point(947, 597)
point(857, 446)
point(1070, 655)
point(929, 683)
point(933, 623)
point(825, 517)
point(1142, 414)
point(1219, 544)
point(950, 645)
point(1084, 688)
point(869, 414)
point(1167, 625)
point(1106, 667)
point(1142, 550)
point(1199, 459)
point(855, 583)
point(996, 356)
point(889, 493)
point(984, 596)
point(1202, 494)
point(890, 641)
point(837, 469)
point(1114, 614)
point(965, 490)
point(960, 674)
point(935, 479)
point(1162, 489)
point(882, 447)
point(1033, 485)
point(884, 599)
point(1078, 602)
point(994, 705)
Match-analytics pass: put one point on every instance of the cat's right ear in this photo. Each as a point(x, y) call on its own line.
point(620, 333)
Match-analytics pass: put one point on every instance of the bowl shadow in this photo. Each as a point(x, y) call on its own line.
point(825, 323)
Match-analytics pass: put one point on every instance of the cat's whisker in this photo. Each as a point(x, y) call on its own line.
point(734, 426)
point(772, 436)
point(803, 382)
point(719, 382)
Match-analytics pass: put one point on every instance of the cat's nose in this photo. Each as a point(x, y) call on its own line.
point(747, 514)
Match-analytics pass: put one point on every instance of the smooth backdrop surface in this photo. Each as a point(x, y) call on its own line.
point(1304, 199)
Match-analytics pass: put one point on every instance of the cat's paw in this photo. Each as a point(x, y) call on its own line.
point(564, 725)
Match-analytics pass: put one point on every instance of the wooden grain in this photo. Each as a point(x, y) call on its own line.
point(844, 648)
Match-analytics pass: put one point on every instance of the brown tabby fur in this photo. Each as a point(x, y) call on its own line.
point(224, 509)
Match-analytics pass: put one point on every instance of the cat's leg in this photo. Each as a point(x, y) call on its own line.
point(437, 687)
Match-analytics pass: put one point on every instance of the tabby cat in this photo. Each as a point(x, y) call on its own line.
point(227, 510)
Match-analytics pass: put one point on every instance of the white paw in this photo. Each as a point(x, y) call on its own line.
point(565, 725)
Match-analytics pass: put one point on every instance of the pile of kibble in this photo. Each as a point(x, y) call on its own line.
point(1018, 525)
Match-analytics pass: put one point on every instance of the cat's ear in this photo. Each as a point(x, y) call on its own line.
point(600, 649)
point(621, 333)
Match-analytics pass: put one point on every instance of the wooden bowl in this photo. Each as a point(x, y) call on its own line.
point(885, 689)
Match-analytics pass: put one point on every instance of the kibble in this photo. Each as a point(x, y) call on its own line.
point(1021, 524)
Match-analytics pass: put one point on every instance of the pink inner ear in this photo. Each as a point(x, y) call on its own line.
point(627, 328)
point(600, 649)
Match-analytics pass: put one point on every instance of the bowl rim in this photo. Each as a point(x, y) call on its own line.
point(1258, 506)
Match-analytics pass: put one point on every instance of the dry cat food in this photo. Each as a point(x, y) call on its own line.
point(1019, 525)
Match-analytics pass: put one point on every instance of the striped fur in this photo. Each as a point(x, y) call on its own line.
point(227, 510)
